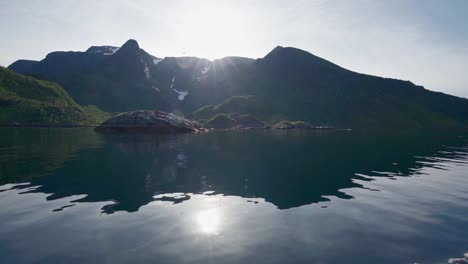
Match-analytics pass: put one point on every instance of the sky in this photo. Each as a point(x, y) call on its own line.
point(424, 41)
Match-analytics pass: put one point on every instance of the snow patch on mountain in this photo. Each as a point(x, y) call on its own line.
point(172, 83)
point(111, 51)
point(156, 61)
point(147, 72)
point(103, 50)
point(181, 94)
point(205, 70)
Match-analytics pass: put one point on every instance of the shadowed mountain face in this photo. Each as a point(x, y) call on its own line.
point(321, 92)
point(128, 78)
point(288, 83)
point(283, 168)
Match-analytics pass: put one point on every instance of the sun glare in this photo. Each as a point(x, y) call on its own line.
point(215, 30)
point(208, 221)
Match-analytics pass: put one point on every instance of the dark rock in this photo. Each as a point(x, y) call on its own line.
point(149, 120)
point(292, 125)
point(131, 44)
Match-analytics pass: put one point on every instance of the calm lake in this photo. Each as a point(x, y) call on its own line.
point(76, 196)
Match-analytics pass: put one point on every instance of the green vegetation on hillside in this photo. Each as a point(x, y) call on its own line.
point(242, 104)
point(26, 100)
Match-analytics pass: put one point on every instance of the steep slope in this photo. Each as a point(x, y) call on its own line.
point(120, 81)
point(26, 100)
point(188, 83)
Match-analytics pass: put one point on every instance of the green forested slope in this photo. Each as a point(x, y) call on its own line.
point(26, 100)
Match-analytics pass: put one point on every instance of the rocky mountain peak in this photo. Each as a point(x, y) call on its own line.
point(131, 44)
point(282, 56)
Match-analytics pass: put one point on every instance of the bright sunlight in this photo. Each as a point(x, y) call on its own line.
point(214, 30)
point(208, 221)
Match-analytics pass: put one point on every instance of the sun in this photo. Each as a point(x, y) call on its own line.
point(214, 30)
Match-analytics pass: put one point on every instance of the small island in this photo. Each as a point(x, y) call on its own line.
point(161, 122)
point(149, 121)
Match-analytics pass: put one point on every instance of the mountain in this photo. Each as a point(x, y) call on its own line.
point(293, 84)
point(26, 100)
point(288, 83)
point(128, 78)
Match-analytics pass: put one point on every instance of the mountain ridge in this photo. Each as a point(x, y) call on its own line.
point(288, 83)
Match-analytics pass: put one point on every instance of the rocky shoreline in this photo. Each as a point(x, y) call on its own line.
point(149, 121)
point(161, 122)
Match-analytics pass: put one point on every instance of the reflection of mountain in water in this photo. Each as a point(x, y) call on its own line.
point(287, 169)
point(27, 153)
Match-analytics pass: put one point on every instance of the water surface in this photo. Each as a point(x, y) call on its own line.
point(75, 196)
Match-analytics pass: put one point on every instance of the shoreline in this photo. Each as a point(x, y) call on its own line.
point(150, 128)
point(46, 125)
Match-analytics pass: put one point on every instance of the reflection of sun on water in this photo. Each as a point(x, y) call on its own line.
point(208, 221)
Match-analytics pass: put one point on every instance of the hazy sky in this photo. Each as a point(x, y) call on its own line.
point(423, 41)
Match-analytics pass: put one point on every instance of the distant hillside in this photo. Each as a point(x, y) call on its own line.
point(288, 83)
point(25, 100)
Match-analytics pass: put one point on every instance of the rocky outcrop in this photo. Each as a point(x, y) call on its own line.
point(463, 260)
point(291, 125)
point(149, 120)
